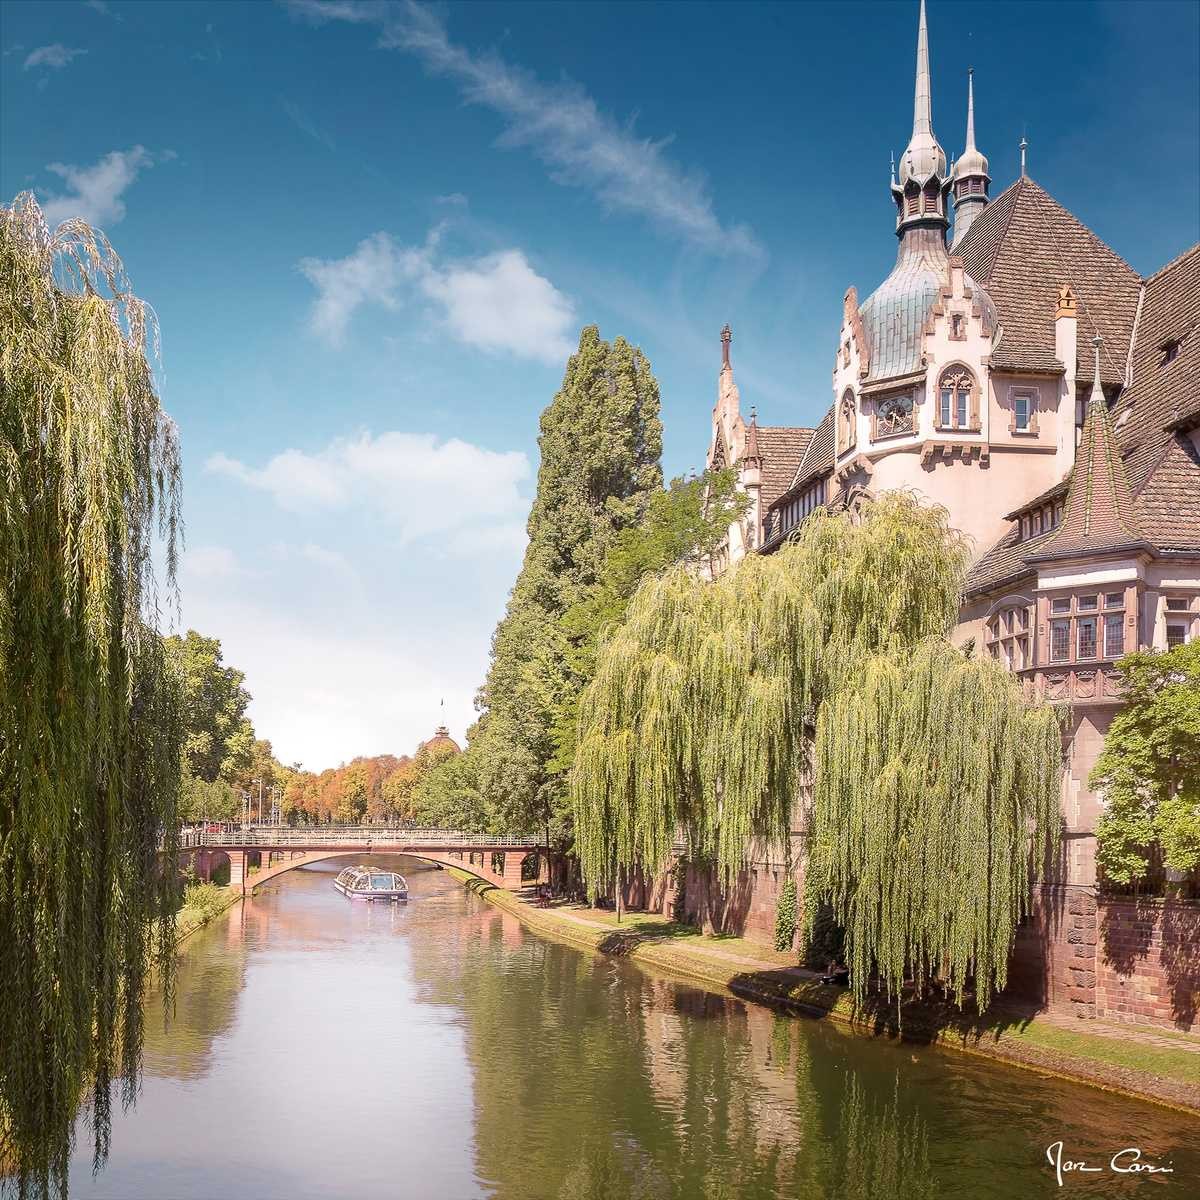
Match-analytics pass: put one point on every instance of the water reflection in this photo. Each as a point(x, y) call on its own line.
point(327, 1048)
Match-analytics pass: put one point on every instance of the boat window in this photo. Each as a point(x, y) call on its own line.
point(383, 882)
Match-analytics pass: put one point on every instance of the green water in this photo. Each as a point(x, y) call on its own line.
point(326, 1048)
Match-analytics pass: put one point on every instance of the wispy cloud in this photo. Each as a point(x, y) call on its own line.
point(96, 193)
point(420, 486)
point(305, 123)
point(560, 123)
point(102, 8)
point(495, 303)
point(56, 56)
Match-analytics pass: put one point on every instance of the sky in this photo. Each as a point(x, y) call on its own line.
point(371, 233)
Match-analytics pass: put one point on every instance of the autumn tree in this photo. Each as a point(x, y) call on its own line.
point(600, 443)
point(1149, 769)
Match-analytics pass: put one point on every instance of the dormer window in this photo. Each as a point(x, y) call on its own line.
point(1170, 350)
point(1023, 417)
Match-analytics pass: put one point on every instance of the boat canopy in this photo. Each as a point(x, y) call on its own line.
point(370, 879)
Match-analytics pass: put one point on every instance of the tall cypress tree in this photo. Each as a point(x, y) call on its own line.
point(601, 442)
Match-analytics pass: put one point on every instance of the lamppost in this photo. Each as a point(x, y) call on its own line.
point(260, 787)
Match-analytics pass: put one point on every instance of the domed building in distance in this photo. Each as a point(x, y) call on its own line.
point(441, 742)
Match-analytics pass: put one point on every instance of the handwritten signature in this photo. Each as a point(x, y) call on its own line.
point(1124, 1162)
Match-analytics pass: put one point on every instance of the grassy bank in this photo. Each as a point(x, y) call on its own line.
point(1152, 1064)
point(201, 903)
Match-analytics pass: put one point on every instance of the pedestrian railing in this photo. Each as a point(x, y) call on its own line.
point(347, 835)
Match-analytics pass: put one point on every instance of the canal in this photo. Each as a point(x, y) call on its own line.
point(440, 1051)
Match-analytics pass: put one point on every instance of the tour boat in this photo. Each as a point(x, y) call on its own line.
point(366, 883)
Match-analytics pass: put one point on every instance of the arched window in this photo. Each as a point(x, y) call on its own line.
point(847, 430)
point(958, 406)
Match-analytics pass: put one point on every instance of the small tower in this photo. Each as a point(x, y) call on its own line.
point(971, 176)
point(923, 188)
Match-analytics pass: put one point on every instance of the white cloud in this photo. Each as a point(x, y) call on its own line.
point(372, 274)
point(495, 303)
point(96, 193)
point(102, 8)
point(560, 123)
point(422, 487)
point(56, 56)
point(210, 562)
point(306, 124)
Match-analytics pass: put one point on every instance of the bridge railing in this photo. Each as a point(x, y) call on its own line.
point(348, 835)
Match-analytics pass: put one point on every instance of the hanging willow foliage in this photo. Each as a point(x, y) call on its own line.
point(90, 733)
point(930, 776)
point(705, 712)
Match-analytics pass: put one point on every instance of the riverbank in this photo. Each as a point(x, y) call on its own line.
point(209, 903)
point(1159, 1065)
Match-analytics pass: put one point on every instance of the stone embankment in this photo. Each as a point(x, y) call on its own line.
point(1150, 1063)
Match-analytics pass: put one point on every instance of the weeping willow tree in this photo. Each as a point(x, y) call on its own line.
point(714, 705)
point(90, 732)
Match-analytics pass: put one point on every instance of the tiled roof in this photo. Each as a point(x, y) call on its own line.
point(1051, 493)
point(1022, 248)
point(819, 455)
point(782, 448)
point(1098, 515)
point(1160, 464)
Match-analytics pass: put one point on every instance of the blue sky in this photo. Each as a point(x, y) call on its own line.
point(371, 233)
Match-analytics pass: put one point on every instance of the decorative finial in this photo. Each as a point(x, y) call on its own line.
point(892, 156)
point(1024, 145)
point(922, 103)
point(753, 413)
point(726, 338)
point(970, 109)
point(1097, 395)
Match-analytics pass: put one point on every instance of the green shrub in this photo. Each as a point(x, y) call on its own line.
point(785, 916)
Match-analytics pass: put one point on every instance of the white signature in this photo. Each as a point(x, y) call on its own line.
point(1124, 1162)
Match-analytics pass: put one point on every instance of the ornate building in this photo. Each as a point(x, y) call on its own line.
point(1030, 381)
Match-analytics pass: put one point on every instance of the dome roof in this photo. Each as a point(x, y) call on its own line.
point(894, 316)
point(441, 740)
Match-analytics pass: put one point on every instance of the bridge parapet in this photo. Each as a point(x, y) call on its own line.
point(373, 836)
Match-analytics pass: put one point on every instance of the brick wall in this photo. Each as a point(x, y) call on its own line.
point(1148, 961)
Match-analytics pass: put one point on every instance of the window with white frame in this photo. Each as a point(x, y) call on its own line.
point(958, 399)
point(1008, 635)
point(1181, 620)
point(1024, 415)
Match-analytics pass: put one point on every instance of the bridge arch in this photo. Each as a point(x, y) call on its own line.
point(501, 868)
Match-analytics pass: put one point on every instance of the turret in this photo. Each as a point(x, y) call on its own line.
point(922, 190)
point(971, 176)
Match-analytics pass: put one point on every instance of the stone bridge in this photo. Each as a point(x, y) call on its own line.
point(279, 848)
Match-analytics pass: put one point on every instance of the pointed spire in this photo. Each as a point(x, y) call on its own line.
point(923, 163)
point(922, 97)
point(1099, 513)
point(726, 338)
point(970, 110)
point(752, 439)
point(971, 176)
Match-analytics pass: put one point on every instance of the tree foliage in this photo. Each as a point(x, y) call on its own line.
point(601, 439)
point(714, 704)
point(219, 740)
point(90, 733)
point(1149, 770)
point(684, 523)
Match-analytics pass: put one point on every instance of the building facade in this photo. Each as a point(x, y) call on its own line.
point(1017, 371)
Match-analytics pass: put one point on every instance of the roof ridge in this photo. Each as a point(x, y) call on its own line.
point(1179, 258)
point(1041, 193)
